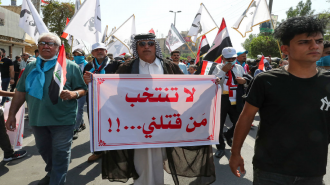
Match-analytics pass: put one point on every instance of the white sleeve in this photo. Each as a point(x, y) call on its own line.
point(218, 71)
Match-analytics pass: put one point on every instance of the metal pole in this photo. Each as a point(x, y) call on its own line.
point(174, 17)
point(270, 6)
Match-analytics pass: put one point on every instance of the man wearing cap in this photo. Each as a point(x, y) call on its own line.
point(231, 78)
point(101, 64)
point(241, 59)
point(146, 166)
point(79, 59)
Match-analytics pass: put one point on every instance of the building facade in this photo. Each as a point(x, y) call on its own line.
point(11, 35)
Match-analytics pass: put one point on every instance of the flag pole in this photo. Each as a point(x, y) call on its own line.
point(71, 43)
point(271, 20)
point(191, 50)
point(210, 15)
point(119, 28)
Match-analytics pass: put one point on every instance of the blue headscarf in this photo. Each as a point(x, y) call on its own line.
point(324, 61)
point(35, 81)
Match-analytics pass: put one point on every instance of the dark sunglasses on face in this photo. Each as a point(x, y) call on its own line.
point(50, 44)
point(150, 43)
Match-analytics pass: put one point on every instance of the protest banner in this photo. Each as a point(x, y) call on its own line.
point(152, 111)
point(16, 136)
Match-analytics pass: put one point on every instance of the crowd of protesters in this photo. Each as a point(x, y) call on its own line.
point(294, 131)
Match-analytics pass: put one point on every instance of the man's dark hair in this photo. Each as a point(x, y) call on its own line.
point(193, 66)
point(176, 51)
point(17, 57)
point(287, 30)
point(36, 51)
point(326, 44)
point(3, 51)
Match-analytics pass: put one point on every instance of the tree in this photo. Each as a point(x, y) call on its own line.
point(266, 45)
point(247, 42)
point(326, 16)
point(55, 14)
point(302, 9)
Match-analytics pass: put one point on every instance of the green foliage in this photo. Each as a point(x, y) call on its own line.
point(302, 9)
point(55, 14)
point(326, 15)
point(266, 45)
point(247, 42)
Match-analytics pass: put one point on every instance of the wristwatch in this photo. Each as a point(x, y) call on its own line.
point(77, 94)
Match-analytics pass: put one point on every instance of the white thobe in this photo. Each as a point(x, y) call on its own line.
point(148, 162)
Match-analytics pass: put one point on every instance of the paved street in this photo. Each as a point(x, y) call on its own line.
point(29, 170)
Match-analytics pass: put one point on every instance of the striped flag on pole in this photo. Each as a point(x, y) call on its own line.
point(203, 48)
point(59, 77)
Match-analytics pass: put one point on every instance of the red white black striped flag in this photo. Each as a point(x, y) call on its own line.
point(221, 41)
point(59, 77)
point(203, 48)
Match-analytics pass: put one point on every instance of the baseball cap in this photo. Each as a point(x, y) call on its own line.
point(98, 45)
point(241, 52)
point(229, 52)
point(80, 51)
point(127, 55)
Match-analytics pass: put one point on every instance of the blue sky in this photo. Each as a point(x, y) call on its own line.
point(155, 13)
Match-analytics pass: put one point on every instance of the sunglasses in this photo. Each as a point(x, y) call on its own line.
point(150, 43)
point(50, 44)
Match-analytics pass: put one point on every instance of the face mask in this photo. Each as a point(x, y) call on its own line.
point(232, 63)
point(79, 59)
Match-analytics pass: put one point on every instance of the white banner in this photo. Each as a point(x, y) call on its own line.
point(152, 111)
point(16, 136)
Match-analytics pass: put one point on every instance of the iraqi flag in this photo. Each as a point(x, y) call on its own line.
point(221, 41)
point(66, 35)
point(262, 64)
point(206, 67)
point(203, 48)
point(59, 77)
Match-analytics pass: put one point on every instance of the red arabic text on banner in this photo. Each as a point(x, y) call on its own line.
point(152, 111)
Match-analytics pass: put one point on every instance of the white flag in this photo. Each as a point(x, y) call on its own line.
point(174, 39)
point(126, 32)
point(86, 23)
point(77, 44)
point(255, 14)
point(117, 48)
point(104, 37)
point(203, 23)
point(30, 21)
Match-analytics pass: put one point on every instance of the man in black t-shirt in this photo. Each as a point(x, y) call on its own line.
point(294, 131)
point(17, 70)
point(7, 74)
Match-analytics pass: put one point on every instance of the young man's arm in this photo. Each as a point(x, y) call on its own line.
point(6, 94)
point(12, 74)
point(242, 129)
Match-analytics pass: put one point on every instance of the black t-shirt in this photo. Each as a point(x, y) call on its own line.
point(16, 66)
point(253, 70)
point(294, 129)
point(5, 63)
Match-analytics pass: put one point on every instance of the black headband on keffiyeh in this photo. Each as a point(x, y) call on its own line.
point(148, 36)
